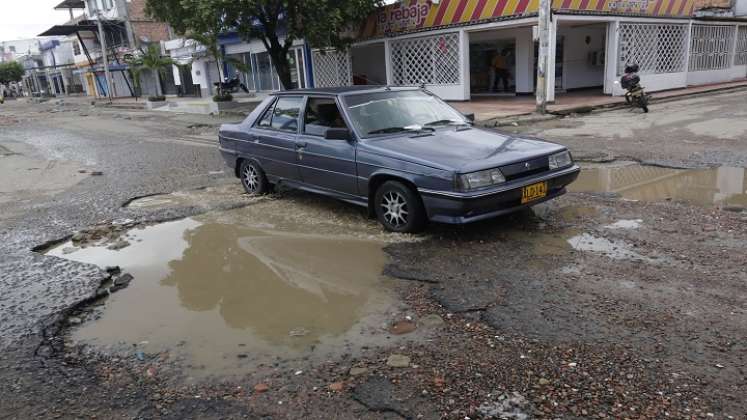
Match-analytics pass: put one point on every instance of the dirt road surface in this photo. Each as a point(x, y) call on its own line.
point(137, 281)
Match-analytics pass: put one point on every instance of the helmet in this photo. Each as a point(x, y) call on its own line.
point(631, 68)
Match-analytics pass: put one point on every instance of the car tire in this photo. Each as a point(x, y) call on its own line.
point(399, 208)
point(253, 178)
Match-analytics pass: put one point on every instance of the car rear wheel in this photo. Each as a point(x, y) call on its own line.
point(253, 178)
point(399, 208)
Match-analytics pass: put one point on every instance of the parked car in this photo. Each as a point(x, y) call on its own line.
point(401, 152)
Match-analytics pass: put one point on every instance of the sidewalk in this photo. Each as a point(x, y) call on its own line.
point(242, 104)
point(490, 110)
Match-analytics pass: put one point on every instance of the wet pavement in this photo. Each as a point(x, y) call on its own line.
point(621, 299)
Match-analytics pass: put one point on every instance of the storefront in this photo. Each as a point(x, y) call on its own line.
point(461, 49)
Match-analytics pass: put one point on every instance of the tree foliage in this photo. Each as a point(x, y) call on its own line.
point(277, 23)
point(12, 71)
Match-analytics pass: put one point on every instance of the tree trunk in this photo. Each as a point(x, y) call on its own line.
point(282, 67)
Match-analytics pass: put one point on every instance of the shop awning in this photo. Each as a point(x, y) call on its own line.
point(63, 30)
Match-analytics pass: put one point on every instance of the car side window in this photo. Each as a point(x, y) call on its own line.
point(321, 114)
point(286, 112)
point(267, 117)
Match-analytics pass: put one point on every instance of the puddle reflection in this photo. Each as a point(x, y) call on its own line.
point(721, 186)
point(216, 290)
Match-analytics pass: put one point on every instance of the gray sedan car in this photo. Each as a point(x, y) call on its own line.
point(403, 153)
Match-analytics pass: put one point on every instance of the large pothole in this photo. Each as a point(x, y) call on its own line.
point(219, 294)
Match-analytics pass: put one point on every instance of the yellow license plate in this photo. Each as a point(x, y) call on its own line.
point(533, 192)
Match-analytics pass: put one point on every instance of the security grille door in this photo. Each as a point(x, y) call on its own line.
point(711, 47)
point(740, 57)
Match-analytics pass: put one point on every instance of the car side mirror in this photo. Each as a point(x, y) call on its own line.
point(337, 134)
point(470, 117)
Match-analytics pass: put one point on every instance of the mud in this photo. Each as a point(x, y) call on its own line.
point(226, 297)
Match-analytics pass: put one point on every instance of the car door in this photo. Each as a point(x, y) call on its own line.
point(326, 163)
point(276, 135)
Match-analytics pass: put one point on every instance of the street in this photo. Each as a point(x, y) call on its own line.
point(138, 280)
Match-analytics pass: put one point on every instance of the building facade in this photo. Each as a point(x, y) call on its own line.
point(126, 30)
point(461, 49)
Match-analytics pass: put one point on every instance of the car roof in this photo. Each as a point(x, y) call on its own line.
point(344, 90)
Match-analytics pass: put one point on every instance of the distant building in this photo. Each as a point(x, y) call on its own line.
point(11, 50)
point(126, 29)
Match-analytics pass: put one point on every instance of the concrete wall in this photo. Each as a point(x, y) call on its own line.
point(578, 71)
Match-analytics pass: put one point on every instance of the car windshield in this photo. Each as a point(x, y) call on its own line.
point(389, 112)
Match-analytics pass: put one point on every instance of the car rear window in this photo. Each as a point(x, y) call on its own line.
point(285, 114)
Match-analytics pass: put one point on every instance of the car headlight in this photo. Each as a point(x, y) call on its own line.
point(560, 160)
point(480, 179)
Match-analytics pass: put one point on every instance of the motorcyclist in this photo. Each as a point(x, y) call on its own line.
point(631, 82)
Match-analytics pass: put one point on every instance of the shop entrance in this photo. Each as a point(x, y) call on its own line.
point(493, 67)
point(580, 58)
point(500, 62)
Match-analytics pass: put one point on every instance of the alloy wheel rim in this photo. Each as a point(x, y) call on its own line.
point(395, 209)
point(251, 179)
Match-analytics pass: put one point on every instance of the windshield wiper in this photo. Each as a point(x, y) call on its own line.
point(400, 129)
point(446, 122)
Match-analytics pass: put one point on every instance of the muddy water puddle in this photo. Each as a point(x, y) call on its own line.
point(723, 186)
point(222, 296)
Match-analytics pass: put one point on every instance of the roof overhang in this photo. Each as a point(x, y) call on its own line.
point(64, 30)
point(71, 4)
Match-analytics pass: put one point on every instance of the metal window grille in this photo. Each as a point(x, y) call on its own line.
point(711, 47)
point(656, 48)
point(331, 68)
point(740, 56)
point(430, 60)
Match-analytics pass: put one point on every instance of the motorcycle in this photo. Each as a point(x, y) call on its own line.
point(231, 86)
point(635, 95)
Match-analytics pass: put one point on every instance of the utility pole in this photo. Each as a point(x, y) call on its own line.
point(105, 56)
point(542, 60)
point(128, 24)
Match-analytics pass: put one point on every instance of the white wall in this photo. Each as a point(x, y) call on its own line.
point(716, 76)
point(578, 72)
point(740, 8)
point(368, 60)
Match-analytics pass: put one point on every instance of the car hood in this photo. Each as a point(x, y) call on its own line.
point(461, 150)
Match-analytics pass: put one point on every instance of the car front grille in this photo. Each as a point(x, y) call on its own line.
point(526, 168)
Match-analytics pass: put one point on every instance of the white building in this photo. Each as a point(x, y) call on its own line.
point(463, 49)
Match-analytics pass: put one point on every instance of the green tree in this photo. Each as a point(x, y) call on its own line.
point(10, 72)
point(150, 59)
point(277, 23)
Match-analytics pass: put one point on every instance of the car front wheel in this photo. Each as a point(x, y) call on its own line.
point(399, 208)
point(253, 178)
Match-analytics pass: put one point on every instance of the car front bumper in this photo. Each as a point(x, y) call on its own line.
point(460, 208)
